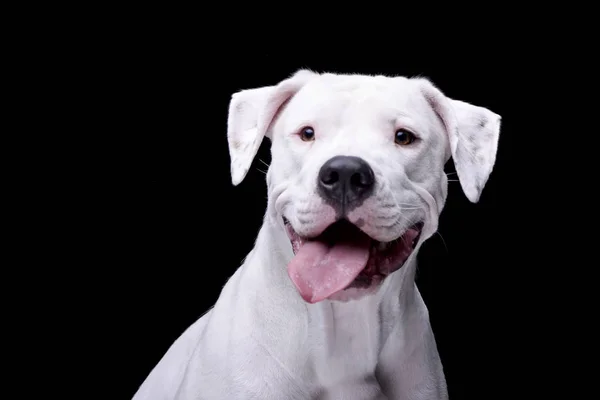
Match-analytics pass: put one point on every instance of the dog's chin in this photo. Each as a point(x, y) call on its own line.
point(353, 247)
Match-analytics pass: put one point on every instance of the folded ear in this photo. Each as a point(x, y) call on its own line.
point(251, 113)
point(473, 134)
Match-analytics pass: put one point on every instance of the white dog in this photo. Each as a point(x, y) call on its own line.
point(325, 306)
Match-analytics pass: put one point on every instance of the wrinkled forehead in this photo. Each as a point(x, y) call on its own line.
point(350, 98)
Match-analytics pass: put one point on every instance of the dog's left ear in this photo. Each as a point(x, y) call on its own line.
point(251, 113)
point(473, 134)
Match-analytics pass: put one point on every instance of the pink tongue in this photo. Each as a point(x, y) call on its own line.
point(318, 271)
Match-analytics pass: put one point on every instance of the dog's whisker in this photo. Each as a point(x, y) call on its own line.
point(410, 221)
point(267, 165)
point(390, 225)
point(443, 241)
point(264, 172)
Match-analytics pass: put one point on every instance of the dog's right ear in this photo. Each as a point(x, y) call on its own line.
point(473, 134)
point(251, 113)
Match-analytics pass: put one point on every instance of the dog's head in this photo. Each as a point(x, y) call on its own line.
point(357, 174)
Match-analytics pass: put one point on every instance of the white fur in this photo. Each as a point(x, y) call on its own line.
point(261, 340)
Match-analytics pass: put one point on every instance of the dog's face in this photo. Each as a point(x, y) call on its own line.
point(356, 178)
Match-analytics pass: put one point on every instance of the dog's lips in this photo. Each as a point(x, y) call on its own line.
point(344, 257)
point(296, 240)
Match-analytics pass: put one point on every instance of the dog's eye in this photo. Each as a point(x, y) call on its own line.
point(404, 137)
point(307, 134)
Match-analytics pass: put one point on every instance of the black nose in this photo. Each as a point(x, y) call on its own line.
point(346, 181)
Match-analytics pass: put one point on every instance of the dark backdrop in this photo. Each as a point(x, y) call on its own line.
point(183, 228)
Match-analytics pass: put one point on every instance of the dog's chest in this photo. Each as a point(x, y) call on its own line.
point(346, 341)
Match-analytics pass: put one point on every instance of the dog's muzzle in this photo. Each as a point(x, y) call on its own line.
point(343, 256)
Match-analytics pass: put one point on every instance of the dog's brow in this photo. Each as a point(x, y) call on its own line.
point(399, 117)
point(404, 120)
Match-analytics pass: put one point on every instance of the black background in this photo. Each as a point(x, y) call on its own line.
point(183, 228)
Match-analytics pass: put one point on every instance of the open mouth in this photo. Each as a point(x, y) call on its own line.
point(344, 257)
